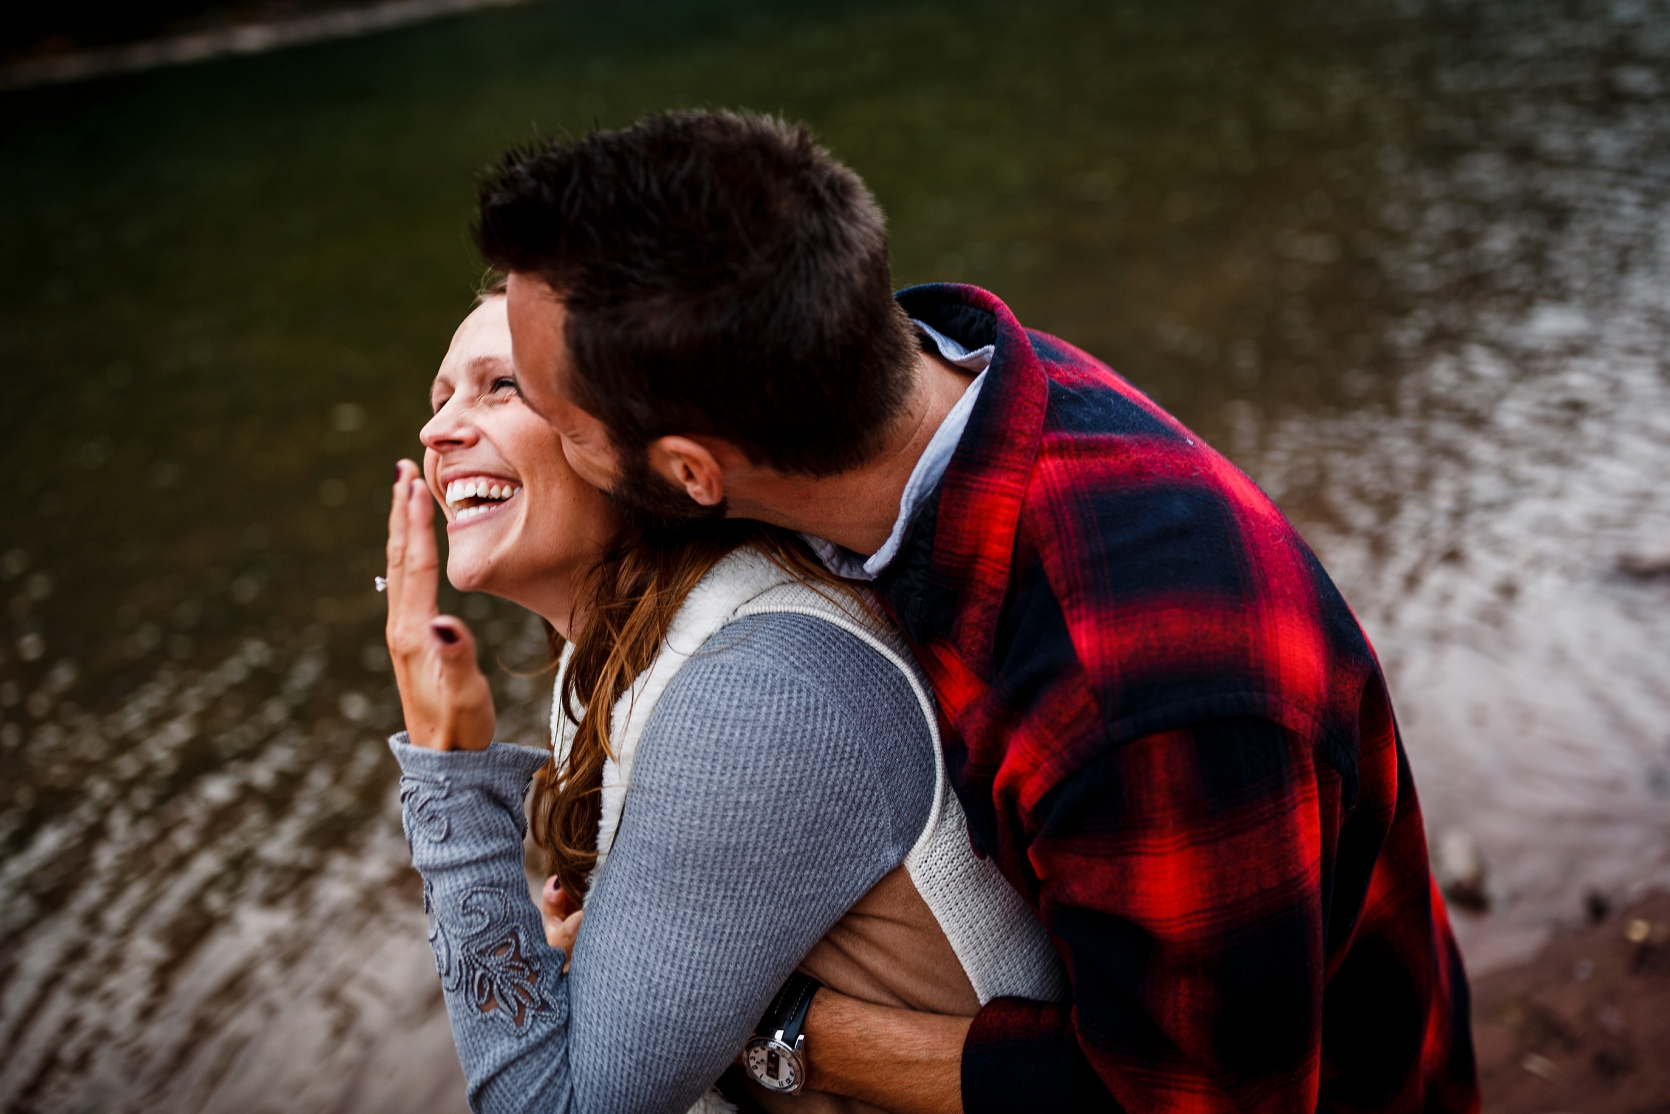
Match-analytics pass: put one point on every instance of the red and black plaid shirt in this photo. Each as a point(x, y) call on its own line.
point(1169, 731)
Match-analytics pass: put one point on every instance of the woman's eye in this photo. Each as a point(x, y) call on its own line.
point(504, 383)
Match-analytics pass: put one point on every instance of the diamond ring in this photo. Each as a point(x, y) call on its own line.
point(381, 582)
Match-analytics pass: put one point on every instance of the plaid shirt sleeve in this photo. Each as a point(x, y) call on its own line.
point(1186, 879)
point(1167, 729)
point(1179, 876)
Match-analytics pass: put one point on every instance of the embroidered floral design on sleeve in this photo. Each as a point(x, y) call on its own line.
point(418, 797)
point(440, 941)
point(481, 910)
point(479, 952)
point(504, 982)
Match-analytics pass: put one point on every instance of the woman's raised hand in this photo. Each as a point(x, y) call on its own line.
point(443, 694)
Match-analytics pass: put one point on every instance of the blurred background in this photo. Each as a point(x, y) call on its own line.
point(1408, 264)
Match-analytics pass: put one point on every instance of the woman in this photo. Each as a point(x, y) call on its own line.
point(746, 779)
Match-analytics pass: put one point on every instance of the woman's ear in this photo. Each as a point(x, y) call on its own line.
point(691, 465)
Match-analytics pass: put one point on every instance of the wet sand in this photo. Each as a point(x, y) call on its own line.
point(1586, 1025)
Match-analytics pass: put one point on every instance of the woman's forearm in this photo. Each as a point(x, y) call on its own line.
point(505, 992)
point(899, 1060)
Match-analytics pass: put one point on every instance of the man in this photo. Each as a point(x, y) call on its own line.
point(1162, 720)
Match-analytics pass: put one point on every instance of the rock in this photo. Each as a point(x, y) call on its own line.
point(1647, 562)
point(1462, 875)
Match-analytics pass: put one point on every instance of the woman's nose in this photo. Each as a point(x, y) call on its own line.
point(448, 429)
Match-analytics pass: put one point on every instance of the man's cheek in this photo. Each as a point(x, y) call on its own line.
point(541, 402)
point(596, 469)
point(560, 414)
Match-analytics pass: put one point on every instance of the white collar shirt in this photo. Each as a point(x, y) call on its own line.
point(930, 467)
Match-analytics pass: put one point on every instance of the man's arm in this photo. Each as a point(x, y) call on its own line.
point(1181, 875)
point(899, 1060)
point(914, 1063)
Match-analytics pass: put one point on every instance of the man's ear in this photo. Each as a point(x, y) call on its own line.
point(693, 466)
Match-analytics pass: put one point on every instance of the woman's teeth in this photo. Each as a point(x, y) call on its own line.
point(468, 498)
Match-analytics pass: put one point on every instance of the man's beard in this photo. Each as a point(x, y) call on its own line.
point(652, 503)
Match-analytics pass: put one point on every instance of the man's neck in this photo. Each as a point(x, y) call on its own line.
point(857, 509)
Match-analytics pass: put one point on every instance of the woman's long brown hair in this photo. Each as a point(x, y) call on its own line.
point(636, 590)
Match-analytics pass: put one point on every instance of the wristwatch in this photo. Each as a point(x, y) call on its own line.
point(776, 1054)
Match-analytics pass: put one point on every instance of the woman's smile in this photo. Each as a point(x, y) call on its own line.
point(472, 497)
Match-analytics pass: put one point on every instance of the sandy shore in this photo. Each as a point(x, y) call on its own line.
point(1585, 1027)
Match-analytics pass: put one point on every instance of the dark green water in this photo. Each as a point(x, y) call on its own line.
point(1406, 264)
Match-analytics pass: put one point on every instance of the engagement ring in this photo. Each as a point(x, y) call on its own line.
point(381, 582)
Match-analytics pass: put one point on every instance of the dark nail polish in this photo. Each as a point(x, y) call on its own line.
point(397, 473)
point(446, 634)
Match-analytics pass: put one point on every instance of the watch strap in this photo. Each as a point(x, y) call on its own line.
point(787, 1012)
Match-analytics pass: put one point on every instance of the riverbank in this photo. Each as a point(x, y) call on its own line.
point(1584, 1026)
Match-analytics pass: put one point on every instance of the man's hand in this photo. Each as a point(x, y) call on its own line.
point(562, 918)
point(899, 1060)
point(443, 694)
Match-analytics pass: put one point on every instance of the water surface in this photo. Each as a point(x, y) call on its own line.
point(1406, 264)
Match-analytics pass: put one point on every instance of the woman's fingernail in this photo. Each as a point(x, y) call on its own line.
point(445, 634)
point(397, 473)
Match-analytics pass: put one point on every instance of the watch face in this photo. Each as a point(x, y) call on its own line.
point(773, 1065)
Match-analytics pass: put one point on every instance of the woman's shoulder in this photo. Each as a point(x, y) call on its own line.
point(760, 620)
point(822, 655)
point(784, 694)
point(820, 662)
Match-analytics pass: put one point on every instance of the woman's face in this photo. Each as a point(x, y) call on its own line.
point(520, 523)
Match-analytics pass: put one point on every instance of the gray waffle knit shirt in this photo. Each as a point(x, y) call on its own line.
point(784, 772)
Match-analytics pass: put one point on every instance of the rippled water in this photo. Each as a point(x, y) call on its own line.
point(1407, 264)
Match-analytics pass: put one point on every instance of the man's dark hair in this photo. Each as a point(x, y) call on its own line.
point(723, 275)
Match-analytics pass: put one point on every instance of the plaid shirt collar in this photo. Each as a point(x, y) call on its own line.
point(952, 585)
